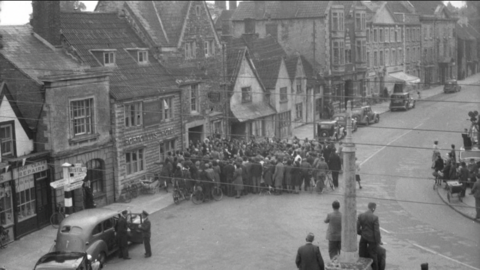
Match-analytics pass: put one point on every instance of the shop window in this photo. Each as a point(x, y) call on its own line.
point(134, 114)
point(166, 147)
point(246, 94)
point(6, 140)
point(6, 205)
point(95, 172)
point(134, 161)
point(283, 94)
point(25, 188)
point(81, 112)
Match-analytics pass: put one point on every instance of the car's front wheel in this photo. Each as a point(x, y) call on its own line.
point(102, 258)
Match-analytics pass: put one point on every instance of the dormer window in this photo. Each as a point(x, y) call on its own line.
point(142, 57)
point(109, 58)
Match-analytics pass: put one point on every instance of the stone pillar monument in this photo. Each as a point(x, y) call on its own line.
point(349, 258)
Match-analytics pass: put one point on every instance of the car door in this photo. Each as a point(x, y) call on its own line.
point(109, 234)
point(134, 221)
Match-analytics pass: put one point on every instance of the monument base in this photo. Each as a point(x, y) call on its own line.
point(360, 264)
point(348, 257)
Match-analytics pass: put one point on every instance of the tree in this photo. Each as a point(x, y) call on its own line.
point(77, 6)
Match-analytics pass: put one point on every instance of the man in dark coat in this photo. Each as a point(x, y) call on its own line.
point(368, 227)
point(121, 233)
point(256, 175)
point(306, 174)
point(229, 170)
point(146, 230)
point(309, 256)
point(88, 195)
point(335, 165)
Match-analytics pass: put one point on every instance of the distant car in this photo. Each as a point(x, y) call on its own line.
point(341, 118)
point(401, 101)
point(66, 261)
point(451, 86)
point(330, 130)
point(467, 155)
point(92, 231)
point(365, 115)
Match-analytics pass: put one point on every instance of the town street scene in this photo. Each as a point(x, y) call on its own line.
point(240, 135)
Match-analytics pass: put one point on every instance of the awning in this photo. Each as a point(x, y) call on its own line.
point(402, 76)
point(250, 111)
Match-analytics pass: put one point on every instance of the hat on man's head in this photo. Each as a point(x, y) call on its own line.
point(144, 213)
point(124, 212)
point(372, 205)
point(310, 237)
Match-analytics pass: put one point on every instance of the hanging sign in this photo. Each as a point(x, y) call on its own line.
point(30, 169)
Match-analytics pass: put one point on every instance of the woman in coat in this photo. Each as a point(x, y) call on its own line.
point(238, 179)
point(216, 171)
point(296, 177)
point(288, 176)
point(268, 169)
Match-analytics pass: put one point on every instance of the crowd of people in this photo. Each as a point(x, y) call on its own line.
point(241, 167)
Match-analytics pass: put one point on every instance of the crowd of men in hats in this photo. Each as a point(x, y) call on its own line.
point(242, 167)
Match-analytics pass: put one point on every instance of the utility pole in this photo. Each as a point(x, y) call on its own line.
point(314, 97)
point(349, 255)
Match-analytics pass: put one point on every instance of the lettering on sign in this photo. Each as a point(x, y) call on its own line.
point(214, 96)
point(58, 184)
point(5, 177)
point(149, 136)
point(30, 169)
point(73, 186)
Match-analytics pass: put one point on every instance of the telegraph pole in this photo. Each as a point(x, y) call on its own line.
point(349, 255)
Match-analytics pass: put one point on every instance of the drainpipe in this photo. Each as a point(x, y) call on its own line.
point(181, 120)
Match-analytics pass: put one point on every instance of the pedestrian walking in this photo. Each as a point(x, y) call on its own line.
point(357, 173)
point(368, 227)
point(88, 201)
point(334, 231)
point(476, 194)
point(335, 165)
point(146, 231)
point(121, 235)
point(453, 156)
point(309, 256)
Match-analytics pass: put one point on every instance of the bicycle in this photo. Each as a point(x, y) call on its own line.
point(179, 194)
point(4, 237)
point(57, 217)
point(217, 192)
point(197, 196)
point(131, 191)
point(438, 180)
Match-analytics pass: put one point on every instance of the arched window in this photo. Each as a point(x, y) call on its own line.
point(95, 173)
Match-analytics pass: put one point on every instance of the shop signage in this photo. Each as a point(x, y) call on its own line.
point(5, 177)
point(149, 136)
point(59, 183)
point(214, 96)
point(74, 186)
point(77, 173)
point(36, 167)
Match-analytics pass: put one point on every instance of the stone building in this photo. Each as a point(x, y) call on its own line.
point(62, 115)
point(182, 36)
point(468, 48)
point(438, 42)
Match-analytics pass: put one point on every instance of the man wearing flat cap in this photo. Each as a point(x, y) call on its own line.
point(121, 230)
point(368, 227)
point(309, 256)
point(145, 228)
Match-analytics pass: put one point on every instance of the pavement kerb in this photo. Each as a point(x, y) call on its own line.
point(454, 208)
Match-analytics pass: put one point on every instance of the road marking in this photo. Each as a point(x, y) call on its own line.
point(441, 255)
point(384, 230)
point(383, 147)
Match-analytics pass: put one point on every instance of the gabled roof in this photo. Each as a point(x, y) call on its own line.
point(291, 65)
point(267, 55)
point(396, 6)
point(146, 13)
point(87, 31)
point(428, 8)
point(173, 15)
point(281, 10)
point(234, 61)
point(35, 59)
point(4, 92)
point(466, 32)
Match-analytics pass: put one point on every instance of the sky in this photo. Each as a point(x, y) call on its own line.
point(18, 12)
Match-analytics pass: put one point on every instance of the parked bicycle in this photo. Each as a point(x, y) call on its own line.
point(197, 195)
point(180, 193)
point(59, 215)
point(217, 192)
point(4, 237)
point(131, 191)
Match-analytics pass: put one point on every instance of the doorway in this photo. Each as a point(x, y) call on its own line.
point(195, 134)
point(44, 203)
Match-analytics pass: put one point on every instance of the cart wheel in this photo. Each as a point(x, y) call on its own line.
point(448, 196)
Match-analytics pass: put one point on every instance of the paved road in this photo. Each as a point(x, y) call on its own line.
point(263, 232)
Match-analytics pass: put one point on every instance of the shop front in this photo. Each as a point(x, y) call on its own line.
point(25, 199)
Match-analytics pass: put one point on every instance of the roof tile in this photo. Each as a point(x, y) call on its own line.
point(280, 10)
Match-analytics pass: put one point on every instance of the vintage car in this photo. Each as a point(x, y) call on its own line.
point(451, 86)
point(341, 118)
point(330, 131)
point(67, 261)
point(401, 101)
point(365, 115)
point(92, 231)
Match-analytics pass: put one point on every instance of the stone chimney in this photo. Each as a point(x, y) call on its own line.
point(221, 4)
point(259, 9)
point(232, 5)
point(46, 20)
